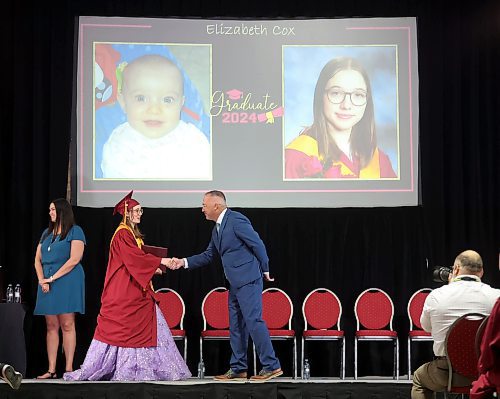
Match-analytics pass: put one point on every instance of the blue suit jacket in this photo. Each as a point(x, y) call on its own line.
point(243, 253)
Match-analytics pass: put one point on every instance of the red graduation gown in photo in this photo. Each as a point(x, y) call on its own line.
point(127, 317)
point(302, 160)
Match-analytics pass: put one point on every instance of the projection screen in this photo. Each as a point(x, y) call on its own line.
point(275, 113)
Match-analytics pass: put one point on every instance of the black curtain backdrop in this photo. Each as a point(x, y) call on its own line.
point(346, 250)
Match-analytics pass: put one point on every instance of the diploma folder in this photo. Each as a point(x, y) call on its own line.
point(160, 252)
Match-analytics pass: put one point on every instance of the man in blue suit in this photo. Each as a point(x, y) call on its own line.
point(245, 263)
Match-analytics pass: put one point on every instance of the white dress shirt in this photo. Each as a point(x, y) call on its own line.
point(219, 221)
point(446, 304)
point(221, 216)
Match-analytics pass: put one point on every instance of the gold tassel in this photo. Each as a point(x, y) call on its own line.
point(125, 213)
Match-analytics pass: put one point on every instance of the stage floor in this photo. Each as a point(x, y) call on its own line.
point(282, 388)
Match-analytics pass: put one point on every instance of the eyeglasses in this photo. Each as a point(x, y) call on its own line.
point(138, 211)
point(336, 96)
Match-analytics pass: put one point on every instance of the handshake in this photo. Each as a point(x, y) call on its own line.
point(172, 263)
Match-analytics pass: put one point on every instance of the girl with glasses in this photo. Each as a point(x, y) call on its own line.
point(341, 142)
point(132, 341)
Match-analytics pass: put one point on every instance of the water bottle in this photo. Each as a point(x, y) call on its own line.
point(201, 369)
point(10, 293)
point(17, 293)
point(307, 370)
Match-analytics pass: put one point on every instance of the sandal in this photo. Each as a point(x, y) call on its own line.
point(49, 375)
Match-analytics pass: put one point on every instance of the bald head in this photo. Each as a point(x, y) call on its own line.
point(469, 262)
point(153, 64)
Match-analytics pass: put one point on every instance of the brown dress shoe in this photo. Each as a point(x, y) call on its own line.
point(231, 375)
point(265, 375)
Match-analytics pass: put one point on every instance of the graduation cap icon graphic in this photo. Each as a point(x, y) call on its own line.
point(234, 94)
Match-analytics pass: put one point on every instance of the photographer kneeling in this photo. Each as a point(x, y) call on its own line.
point(465, 293)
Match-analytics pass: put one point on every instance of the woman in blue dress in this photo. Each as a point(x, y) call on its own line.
point(61, 282)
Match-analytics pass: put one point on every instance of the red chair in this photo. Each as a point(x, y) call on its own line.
point(172, 306)
point(215, 312)
point(479, 336)
point(460, 350)
point(374, 312)
point(416, 333)
point(277, 312)
point(322, 311)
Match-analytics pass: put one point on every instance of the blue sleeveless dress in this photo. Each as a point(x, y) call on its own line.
point(67, 293)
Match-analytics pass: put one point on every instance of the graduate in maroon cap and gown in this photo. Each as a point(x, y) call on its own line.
point(132, 341)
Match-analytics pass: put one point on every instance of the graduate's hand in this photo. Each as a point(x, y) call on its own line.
point(267, 277)
point(166, 262)
point(169, 262)
point(158, 271)
point(177, 263)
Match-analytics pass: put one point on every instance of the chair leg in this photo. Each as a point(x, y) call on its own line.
point(201, 349)
point(355, 358)
point(409, 358)
point(342, 359)
point(396, 360)
point(294, 358)
point(254, 359)
point(302, 351)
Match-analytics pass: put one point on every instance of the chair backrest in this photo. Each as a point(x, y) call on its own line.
point(374, 309)
point(460, 345)
point(479, 336)
point(277, 309)
point(172, 306)
point(214, 309)
point(415, 307)
point(321, 310)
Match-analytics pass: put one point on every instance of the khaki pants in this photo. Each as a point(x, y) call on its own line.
point(433, 377)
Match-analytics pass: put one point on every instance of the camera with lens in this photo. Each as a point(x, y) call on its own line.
point(441, 274)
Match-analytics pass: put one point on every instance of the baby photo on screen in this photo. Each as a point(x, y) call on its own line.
point(150, 115)
point(341, 112)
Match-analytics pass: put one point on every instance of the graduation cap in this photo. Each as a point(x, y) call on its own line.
point(125, 204)
point(234, 94)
